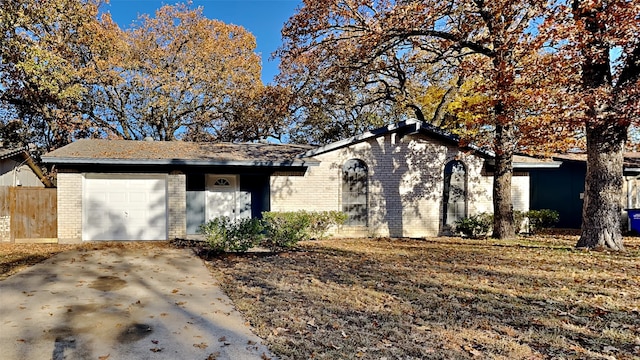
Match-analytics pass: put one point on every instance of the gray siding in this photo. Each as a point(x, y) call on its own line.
point(195, 210)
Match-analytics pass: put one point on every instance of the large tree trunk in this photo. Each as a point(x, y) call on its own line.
point(601, 212)
point(606, 136)
point(502, 205)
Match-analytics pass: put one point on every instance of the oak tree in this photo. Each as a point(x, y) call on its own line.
point(42, 67)
point(175, 74)
point(598, 53)
point(390, 47)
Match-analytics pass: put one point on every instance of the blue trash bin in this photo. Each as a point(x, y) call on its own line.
point(634, 220)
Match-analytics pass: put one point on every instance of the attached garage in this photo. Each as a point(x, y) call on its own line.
point(162, 190)
point(124, 207)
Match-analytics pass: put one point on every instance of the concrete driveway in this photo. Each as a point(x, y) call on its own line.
point(121, 304)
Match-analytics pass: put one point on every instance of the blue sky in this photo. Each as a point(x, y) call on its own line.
point(263, 18)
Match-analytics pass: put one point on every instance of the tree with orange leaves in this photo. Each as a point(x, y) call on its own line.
point(176, 74)
point(42, 69)
point(597, 50)
point(68, 72)
point(544, 69)
point(390, 47)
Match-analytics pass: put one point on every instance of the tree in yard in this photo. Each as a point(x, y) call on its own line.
point(325, 108)
point(388, 49)
point(255, 115)
point(42, 67)
point(175, 74)
point(598, 42)
point(67, 73)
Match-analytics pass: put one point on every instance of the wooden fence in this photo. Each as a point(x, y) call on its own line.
point(28, 214)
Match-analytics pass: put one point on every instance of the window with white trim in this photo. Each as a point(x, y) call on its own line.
point(455, 192)
point(355, 192)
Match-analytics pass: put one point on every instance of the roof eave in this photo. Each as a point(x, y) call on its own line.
point(412, 126)
point(524, 165)
point(358, 138)
point(546, 165)
point(187, 162)
point(12, 153)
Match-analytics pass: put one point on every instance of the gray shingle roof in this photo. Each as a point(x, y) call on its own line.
point(7, 153)
point(129, 152)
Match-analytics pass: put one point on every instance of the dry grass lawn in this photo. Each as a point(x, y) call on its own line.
point(447, 298)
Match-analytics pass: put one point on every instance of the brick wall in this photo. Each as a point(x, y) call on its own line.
point(406, 178)
point(177, 206)
point(69, 207)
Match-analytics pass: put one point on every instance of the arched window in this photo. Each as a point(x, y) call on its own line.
point(355, 192)
point(455, 192)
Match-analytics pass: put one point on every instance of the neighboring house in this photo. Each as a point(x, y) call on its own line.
point(17, 168)
point(409, 179)
point(562, 189)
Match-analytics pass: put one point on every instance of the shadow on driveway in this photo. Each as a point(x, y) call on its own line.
point(122, 304)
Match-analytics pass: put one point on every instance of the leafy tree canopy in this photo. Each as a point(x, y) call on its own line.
point(68, 72)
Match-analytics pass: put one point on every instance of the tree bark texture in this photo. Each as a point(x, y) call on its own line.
point(606, 136)
point(602, 209)
point(502, 203)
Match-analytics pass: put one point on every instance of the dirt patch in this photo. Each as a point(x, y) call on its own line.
point(108, 283)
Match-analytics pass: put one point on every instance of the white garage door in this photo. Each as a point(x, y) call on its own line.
point(124, 207)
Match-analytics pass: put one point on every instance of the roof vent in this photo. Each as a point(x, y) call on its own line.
point(148, 138)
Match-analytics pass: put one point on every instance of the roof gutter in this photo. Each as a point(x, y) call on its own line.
point(529, 165)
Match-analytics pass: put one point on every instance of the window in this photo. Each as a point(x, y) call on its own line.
point(455, 192)
point(355, 192)
point(222, 182)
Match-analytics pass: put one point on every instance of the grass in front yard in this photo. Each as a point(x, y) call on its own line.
point(448, 298)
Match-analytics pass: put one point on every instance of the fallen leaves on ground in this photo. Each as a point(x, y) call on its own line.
point(449, 298)
point(17, 257)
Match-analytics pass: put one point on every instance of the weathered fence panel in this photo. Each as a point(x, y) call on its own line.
point(5, 215)
point(32, 213)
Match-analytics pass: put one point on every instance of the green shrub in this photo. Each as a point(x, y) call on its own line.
point(277, 231)
point(542, 219)
point(321, 221)
point(475, 226)
point(285, 229)
point(225, 235)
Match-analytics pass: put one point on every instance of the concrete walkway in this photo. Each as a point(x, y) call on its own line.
point(122, 304)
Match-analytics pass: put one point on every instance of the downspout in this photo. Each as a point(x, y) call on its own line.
point(16, 169)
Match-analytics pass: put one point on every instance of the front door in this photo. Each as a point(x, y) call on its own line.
point(221, 196)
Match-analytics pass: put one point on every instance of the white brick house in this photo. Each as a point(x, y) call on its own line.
point(406, 178)
point(409, 180)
